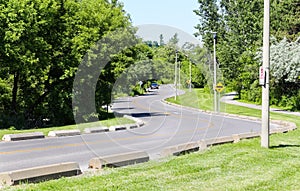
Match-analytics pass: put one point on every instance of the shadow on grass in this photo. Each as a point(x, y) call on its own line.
point(283, 146)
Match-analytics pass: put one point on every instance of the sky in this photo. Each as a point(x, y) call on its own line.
point(177, 14)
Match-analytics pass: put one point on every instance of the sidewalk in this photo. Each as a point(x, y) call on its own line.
point(229, 98)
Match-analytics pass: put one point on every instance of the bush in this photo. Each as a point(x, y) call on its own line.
point(137, 90)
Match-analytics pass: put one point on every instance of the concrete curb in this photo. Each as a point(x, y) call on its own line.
point(62, 133)
point(131, 126)
point(138, 122)
point(285, 126)
point(119, 160)
point(23, 136)
point(96, 130)
point(180, 149)
point(117, 128)
point(38, 174)
point(238, 137)
point(219, 140)
point(211, 112)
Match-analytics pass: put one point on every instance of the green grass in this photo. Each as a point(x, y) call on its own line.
point(196, 99)
point(204, 101)
point(241, 166)
point(109, 122)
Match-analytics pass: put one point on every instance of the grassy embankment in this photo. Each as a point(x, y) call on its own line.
point(241, 166)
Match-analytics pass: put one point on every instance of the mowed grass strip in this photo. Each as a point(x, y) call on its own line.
point(241, 166)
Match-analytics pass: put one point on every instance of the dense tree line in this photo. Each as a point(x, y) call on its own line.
point(62, 60)
point(41, 46)
point(239, 25)
point(46, 44)
point(157, 63)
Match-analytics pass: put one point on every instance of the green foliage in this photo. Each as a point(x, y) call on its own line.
point(285, 72)
point(239, 27)
point(285, 61)
point(136, 90)
point(43, 43)
point(285, 19)
point(240, 166)
point(210, 21)
point(174, 40)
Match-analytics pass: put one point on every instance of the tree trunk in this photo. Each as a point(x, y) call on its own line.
point(15, 92)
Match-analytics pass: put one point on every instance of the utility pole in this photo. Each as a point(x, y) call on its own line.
point(265, 89)
point(179, 65)
point(175, 83)
point(190, 85)
point(215, 74)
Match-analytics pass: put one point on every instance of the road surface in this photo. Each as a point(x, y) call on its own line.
point(165, 125)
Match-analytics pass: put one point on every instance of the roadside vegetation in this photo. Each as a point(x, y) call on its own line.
point(240, 166)
point(201, 99)
point(42, 46)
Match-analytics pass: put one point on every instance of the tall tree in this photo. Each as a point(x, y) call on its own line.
point(161, 40)
point(285, 19)
point(43, 43)
point(210, 21)
point(236, 49)
point(243, 33)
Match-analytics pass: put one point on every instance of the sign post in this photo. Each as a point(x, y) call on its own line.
point(219, 88)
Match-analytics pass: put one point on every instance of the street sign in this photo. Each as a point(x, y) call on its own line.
point(141, 83)
point(219, 87)
point(262, 76)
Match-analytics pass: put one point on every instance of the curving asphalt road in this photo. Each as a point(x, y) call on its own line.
point(165, 125)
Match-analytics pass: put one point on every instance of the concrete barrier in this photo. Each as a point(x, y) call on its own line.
point(278, 130)
point(140, 123)
point(129, 117)
point(285, 126)
point(96, 130)
point(117, 128)
point(202, 145)
point(238, 137)
point(38, 174)
point(23, 136)
point(180, 149)
point(119, 160)
point(219, 140)
point(62, 133)
point(131, 126)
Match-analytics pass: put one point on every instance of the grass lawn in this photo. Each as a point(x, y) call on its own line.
point(241, 166)
point(204, 101)
point(109, 122)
